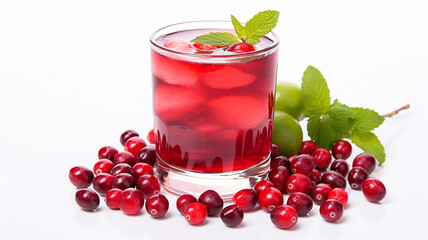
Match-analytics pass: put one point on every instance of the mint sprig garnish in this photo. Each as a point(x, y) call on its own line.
point(258, 26)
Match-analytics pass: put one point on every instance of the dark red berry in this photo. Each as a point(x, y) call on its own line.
point(103, 166)
point(356, 177)
point(157, 205)
point(87, 199)
point(322, 158)
point(301, 202)
point(241, 47)
point(315, 177)
point(302, 164)
point(278, 176)
point(331, 210)
point(308, 147)
point(340, 166)
point(149, 185)
point(147, 155)
point(291, 158)
point(195, 213)
point(183, 201)
point(123, 181)
point(320, 193)
point(284, 216)
point(270, 198)
point(102, 183)
point(232, 215)
point(263, 184)
point(298, 183)
point(80, 176)
point(279, 161)
point(151, 136)
point(341, 150)
point(212, 202)
point(125, 157)
point(340, 195)
point(127, 135)
point(366, 161)
point(334, 179)
point(275, 151)
point(245, 198)
point(131, 201)
point(107, 152)
point(121, 168)
point(134, 145)
point(141, 169)
point(373, 189)
point(112, 198)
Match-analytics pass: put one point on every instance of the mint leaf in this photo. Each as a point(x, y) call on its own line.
point(322, 132)
point(217, 39)
point(260, 25)
point(315, 93)
point(341, 120)
point(239, 29)
point(368, 142)
point(366, 120)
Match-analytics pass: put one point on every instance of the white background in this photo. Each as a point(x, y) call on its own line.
point(75, 74)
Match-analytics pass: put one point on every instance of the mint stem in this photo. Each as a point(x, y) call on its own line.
point(395, 112)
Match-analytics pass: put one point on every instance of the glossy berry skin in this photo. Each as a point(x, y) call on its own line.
point(278, 176)
point(298, 183)
point(301, 202)
point(322, 158)
point(308, 147)
point(212, 202)
point(232, 215)
point(340, 195)
point(331, 210)
point(341, 150)
point(356, 177)
point(127, 135)
point(107, 152)
point(334, 179)
point(279, 161)
point(245, 198)
point(141, 169)
point(263, 184)
point(103, 183)
point(103, 166)
point(148, 185)
point(80, 176)
point(131, 201)
point(366, 161)
point(112, 198)
point(183, 201)
point(302, 164)
point(124, 157)
point(121, 168)
point(275, 151)
point(315, 177)
point(87, 199)
point(320, 193)
point(373, 189)
point(123, 181)
point(147, 155)
point(284, 216)
point(291, 158)
point(151, 136)
point(340, 166)
point(270, 198)
point(195, 213)
point(157, 205)
point(241, 47)
point(134, 145)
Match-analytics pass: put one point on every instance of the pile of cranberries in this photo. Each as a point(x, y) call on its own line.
point(126, 181)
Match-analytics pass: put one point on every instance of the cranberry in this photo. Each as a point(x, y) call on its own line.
point(278, 176)
point(148, 185)
point(373, 189)
point(134, 145)
point(103, 166)
point(279, 161)
point(131, 201)
point(320, 193)
point(127, 135)
point(366, 161)
point(183, 201)
point(151, 136)
point(284, 216)
point(298, 183)
point(322, 158)
point(103, 183)
point(124, 157)
point(80, 176)
point(212, 202)
point(157, 205)
point(141, 169)
point(87, 199)
point(356, 177)
point(291, 158)
point(121, 168)
point(195, 213)
point(107, 152)
point(241, 47)
point(123, 181)
point(334, 179)
point(340, 195)
point(245, 198)
point(341, 150)
point(315, 177)
point(263, 184)
point(275, 151)
point(112, 198)
point(331, 210)
point(308, 147)
point(302, 164)
point(270, 198)
point(147, 155)
point(340, 166)
point(301, 202)
point(232, 215)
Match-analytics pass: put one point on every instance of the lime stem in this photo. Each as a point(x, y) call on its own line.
point(395, 112)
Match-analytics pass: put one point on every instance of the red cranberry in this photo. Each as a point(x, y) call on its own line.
point(87, 199)
point(127, 135)
point(124, 157)
point(80, 176)
point(315, 177)
point(195, 213)
point(241, 47)
point(112, 198)
point(301, 202)
point(131, 201)
point(322, 158)
point(147, 155)
point(183, 201)
point(123, 181)
point(373, 189)
point(298, 183)
point(331, 210)
point(149, 185)
point(102, 183)
point(275, 151)
point(366, 161)
point(334, 179)
point(103, 166)
point(320, 193)
point(279, 161)
point(212, 202)
point(121, 168)
point(270, 198)
point(107, 152)
point(141, 169)
point(284, 216)
point(278, 176)
point(341, 150)
point(340, 195)
point(134, 145)
point(263, 184)
point(245, 198)
point(157, 205)
point(302, 164)
point(308, 147)
point(340, 166)
point(291, 158)
point(232, 215)
point(356, 177)
point(151, 136)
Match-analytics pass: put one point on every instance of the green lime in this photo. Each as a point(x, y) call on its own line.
point(287, 133)
point(288, 98)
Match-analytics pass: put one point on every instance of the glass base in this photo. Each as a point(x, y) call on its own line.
point(226, 184)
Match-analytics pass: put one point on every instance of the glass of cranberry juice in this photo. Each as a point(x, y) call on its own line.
point(213, 110)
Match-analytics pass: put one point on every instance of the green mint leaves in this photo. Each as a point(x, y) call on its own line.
point(258, 26)
point(329, 123)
